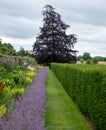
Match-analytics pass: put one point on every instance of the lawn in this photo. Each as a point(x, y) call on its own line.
point(61, 112)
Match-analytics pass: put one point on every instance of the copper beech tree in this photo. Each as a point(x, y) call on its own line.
point(53, 44)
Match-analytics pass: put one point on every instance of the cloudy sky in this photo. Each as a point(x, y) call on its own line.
point(20, 21)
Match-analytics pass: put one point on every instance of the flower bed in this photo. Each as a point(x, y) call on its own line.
point(30, 108)
point(14, 81)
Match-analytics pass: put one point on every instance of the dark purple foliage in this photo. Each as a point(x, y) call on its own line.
point(53, 44)
point(30, 109)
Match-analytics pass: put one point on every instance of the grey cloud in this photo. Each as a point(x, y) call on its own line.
point(18, 27)
point(90, 33)
point(21, 8)
point(22, 18)
point(92, 47)
point(81, 11)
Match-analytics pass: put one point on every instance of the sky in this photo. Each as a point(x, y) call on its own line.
point(20, 21)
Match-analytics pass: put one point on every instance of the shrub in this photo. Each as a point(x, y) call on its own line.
point(94, 60)
point(30, 74)
point(28, 80)
point(82, 60)
point(88, 61)
point(2, 72)
point(86, 85)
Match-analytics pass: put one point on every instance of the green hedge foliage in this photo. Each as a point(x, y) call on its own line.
point(86, 85)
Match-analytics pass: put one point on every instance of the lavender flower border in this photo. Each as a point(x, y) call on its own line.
point(30, 109)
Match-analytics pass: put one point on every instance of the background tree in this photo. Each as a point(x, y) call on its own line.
point(86, 56)
point(79, 57)
point(100, 58)
point(7, 49)
point(22, 52)
point(52, 44)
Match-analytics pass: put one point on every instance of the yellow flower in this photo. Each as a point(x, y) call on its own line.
point(28, 80)
point(2, 110)
point(30, 74)
point(7, 81)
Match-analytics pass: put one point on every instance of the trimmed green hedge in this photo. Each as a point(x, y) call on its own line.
point(86, 84)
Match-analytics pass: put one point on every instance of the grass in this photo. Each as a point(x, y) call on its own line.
point(61, 112)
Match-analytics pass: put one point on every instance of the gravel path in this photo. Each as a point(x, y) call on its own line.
point(30, 109)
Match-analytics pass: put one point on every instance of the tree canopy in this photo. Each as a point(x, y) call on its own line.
point(53, 44)
point(86, 56)
point(7, 49)
point(22, 52)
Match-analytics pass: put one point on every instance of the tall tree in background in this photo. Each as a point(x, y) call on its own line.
point(86, 56)
point(52, 44)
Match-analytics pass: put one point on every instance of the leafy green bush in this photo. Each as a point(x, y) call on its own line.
point(94, 60)
point(82, 60)
point(88, 61)
point(2, 72)
point(86, 84)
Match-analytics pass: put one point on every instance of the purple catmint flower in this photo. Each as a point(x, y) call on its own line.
point(30, 109)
